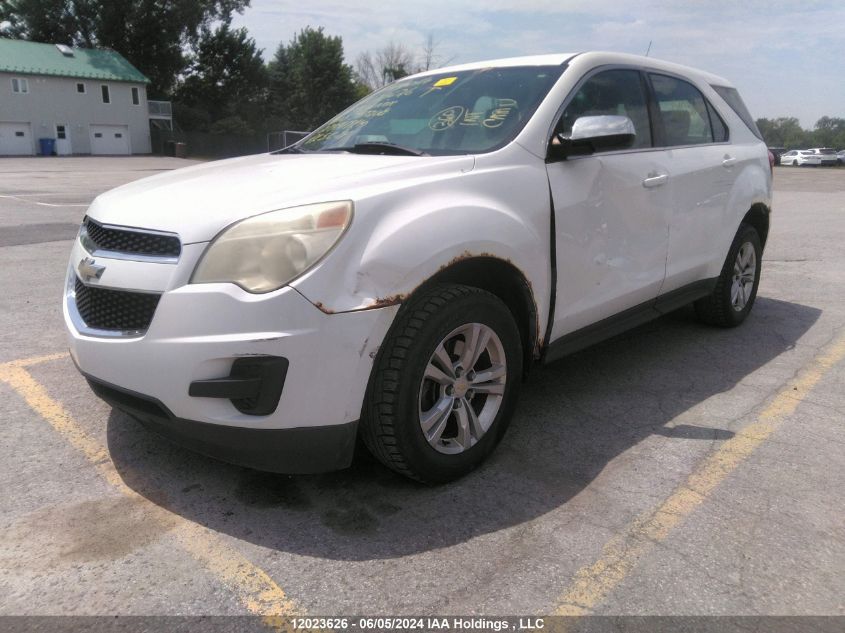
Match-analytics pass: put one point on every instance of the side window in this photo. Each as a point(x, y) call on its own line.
point(732, 98)
point(720, 130)
point(683, 112)
point(106, 94)
point(617, 92)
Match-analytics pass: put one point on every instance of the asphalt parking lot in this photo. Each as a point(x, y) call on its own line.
point(676, 470)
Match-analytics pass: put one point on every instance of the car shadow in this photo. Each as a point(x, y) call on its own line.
point(574, 417)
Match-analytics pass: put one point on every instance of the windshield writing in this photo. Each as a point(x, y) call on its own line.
point(459, 112)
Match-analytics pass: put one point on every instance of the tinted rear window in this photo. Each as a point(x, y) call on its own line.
point(720, 130)
point(732, 98)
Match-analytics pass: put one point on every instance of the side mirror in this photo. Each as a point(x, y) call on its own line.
point(592, 134)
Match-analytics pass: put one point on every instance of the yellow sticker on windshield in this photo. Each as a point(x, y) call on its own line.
point(446, 81)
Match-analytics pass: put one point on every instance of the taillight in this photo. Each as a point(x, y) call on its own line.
point(772, 163)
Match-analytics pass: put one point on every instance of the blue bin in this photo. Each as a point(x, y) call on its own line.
point(48, 146)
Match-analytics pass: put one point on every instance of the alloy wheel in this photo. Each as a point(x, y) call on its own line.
point(462, 388)
point(745, 271)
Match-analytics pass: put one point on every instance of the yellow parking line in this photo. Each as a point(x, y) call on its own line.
point(257, 591)
point(593, 583)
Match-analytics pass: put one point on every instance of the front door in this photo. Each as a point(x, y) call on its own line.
point(612, 212)
point(63, 146)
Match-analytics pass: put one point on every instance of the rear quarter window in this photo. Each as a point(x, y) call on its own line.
point(720, 130)
point(732, 98)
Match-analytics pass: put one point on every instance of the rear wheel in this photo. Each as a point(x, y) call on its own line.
point(444, 385)
point(736, 287)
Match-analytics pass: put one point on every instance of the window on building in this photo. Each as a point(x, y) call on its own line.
point(80, 88)
point(136, 96)
point(20, 85)
point(106, 95)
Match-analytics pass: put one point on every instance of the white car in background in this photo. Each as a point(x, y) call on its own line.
point(800, 157)
point(395, 274)
point(827, 155)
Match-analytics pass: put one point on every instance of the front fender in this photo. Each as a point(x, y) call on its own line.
point(399, 240)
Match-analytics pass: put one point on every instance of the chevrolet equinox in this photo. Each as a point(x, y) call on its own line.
point(393, 275)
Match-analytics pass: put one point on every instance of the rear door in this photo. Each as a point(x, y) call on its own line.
point(16, 139)
point(110, 139)
point(612, 209)
point(704, 168)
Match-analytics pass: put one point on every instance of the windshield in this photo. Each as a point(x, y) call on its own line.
point(464, 112)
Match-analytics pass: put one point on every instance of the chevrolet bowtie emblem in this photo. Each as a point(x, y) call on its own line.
point(89, 269)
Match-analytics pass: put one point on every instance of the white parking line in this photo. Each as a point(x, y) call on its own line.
point(46, 204)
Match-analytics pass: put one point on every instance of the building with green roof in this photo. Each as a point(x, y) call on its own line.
point(89, 101)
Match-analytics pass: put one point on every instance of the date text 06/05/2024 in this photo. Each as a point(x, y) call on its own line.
point(420, 623)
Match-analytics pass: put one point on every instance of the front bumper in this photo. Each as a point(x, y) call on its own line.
point(200, 332)
point(307, 450)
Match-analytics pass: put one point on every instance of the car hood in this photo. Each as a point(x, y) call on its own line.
point(197, 202)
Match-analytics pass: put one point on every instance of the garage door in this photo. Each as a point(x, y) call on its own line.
point(110, 139)
point(16, 139)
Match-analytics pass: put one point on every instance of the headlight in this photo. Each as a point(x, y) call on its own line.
point(264, 252)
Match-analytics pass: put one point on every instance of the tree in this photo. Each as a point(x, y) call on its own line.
point(430, 58)
point(226, 77)
point(830, 132)
point(394, 61)
point(152, 34)
point(38, 20)
point(784, 132)
point(386, 65)
point(309, 81)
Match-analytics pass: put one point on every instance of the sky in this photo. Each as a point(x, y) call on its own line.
point(786, 57)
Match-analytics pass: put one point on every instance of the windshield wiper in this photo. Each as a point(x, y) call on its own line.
point(378, 147)
point(291, 149)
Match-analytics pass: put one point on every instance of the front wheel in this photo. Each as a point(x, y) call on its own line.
point(444, 384)
point(736, 287)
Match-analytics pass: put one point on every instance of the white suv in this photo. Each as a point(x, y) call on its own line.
point(394, 274)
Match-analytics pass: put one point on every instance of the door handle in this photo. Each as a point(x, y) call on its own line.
point(729, 161)
point(655, 181)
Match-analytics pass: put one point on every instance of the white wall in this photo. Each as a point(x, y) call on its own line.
point(53, 100)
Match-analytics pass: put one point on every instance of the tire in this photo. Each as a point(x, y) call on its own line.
point(402, 396)
point(724, 308)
